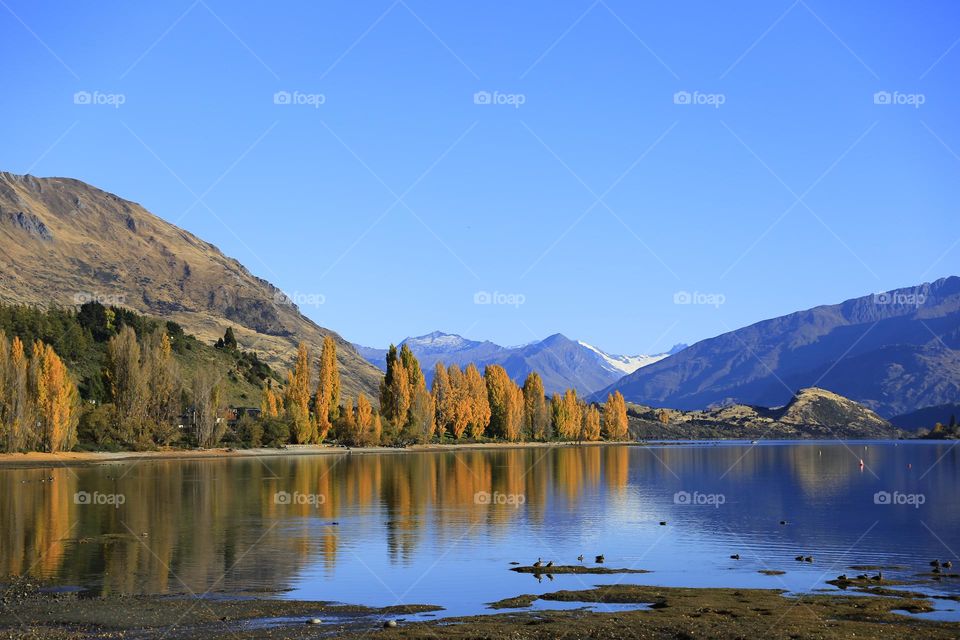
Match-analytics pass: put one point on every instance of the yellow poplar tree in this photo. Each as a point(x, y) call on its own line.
point(515, 404)
point(4, 390)
point(440, 390)
point(327, 398)
point(21, 404)
point(558, 414)
point(506, 404)
point(535, 415)
point(58, 402)
point(479, 405)
point(376, 430)
point(615, 417)
point(458, 404)
point(271, 404)
point(567, 415)
point(364, 419)
point(591, 423)
point(297, 398)
point(400, 392)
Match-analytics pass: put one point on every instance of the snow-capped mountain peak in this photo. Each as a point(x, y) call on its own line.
point(623, 364)
point(438, 341)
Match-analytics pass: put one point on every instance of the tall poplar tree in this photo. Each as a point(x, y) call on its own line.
point(536, 416)
point(297, 398)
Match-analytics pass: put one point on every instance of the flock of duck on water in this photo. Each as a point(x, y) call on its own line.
point(937, 565)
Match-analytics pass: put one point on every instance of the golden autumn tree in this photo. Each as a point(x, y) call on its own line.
point(440, 390)
point(271, 402)
point(16, 400)
point(297, 398)
point(536, 416)
point(506, 404)
point(558, 417)
point(591, 423)
point(4, 390)
point(347, 427)
point(21, 401)
point(412, 365)
point(57, 401)
point(615, 417)
point(395, 390)
point(376, 430)
point(364, 419)
point(400, 393)
point(479, 405)
point(420, 421)
point(458, 403)
point(515, 407)
point(327, 397)
point(567, 415)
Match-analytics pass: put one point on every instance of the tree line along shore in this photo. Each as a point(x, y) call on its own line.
point(102, 378)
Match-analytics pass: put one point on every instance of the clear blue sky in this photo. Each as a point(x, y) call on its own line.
point(399, 197)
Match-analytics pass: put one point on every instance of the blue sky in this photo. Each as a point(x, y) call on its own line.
point(629, 152)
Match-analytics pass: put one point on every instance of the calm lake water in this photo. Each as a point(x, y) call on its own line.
point(442, 527)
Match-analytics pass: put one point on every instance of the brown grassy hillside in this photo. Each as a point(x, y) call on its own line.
point(63, 241)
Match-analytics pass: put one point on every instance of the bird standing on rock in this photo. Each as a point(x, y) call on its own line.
point(599, 559)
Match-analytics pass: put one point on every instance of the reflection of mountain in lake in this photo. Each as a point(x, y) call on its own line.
point(461, 516)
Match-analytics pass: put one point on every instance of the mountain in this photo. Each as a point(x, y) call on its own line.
point(928, 417)
point(629, 364)
point(64, 242)
point(894, 352)
point(561, 362)
point(811, 413)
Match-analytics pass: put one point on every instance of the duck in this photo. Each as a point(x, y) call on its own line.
point(735, 556)
point(600, 559)
point(934, 563)
point(879, 576)
point(538, 563)
point(663, 523)
point(808, 559)
point(842, 577)
point(549, 564)
point(799, 558)
point(948, 564)
point(580, 558)
point(783, 522)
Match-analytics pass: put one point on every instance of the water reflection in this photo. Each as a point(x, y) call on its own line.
point(441, 526)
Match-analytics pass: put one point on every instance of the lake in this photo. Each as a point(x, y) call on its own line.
point(442, 527)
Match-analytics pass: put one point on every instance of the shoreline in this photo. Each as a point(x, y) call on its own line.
point(84, 458)
point(89, 458)
point(610, 611)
